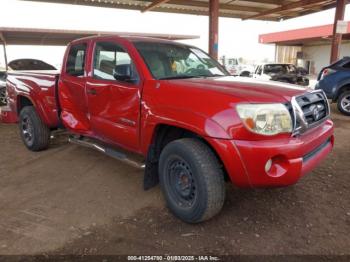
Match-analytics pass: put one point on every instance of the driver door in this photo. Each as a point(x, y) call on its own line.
point(114, 105)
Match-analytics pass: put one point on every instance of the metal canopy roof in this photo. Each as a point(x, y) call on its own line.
point(34, 36)
point(303, 36)
point(273, 10)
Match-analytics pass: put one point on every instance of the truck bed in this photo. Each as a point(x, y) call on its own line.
point(38, 88)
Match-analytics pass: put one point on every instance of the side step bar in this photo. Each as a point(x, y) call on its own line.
point(119, 155)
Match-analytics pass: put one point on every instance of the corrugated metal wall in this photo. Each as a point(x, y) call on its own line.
point(287, 54)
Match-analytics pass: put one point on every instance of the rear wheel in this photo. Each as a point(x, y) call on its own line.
point(344, 103)
point(34, 133)
point(192, 180)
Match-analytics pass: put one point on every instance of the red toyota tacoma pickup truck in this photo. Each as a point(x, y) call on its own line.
point(171, 109)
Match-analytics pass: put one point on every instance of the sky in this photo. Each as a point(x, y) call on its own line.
point(236, 38)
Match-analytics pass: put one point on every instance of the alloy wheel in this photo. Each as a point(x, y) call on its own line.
point(345, 103)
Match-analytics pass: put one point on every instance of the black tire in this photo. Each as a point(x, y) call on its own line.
point(245, 74)
point(34, 133)
point(344, 103)
point(192, 180)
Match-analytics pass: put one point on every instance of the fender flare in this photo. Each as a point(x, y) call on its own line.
point(36, 104)
point(202, 125)
point(343, 85)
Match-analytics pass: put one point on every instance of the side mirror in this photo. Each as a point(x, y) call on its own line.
point(123, 73)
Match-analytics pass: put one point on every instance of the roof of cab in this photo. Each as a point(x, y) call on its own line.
point(126, 37)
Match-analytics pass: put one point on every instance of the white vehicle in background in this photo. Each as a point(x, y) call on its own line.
point(287, 73)
point(235, 68)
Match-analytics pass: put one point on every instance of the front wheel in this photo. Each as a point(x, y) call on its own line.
point(344, 103)
point(34, 133)
point(192, 180)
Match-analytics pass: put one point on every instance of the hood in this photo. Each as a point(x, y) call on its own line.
point(245, 89)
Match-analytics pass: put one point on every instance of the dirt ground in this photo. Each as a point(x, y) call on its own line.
point(73, 200)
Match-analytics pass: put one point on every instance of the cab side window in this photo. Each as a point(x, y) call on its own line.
point(112, 62)
point(76, 60)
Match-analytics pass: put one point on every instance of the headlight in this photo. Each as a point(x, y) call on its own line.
point(266, 119)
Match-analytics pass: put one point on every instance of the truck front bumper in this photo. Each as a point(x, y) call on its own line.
point(277, 162)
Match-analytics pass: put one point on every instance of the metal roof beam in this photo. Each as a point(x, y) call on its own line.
point(156, 5)
point(153, 5)
point(230, 8)
point(222, 7)
point(270, 2)
point(290, 6)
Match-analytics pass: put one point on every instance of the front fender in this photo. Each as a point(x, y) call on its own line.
point(195, 122)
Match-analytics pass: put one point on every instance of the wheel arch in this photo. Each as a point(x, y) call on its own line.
point(23, 101)
point(162, 135)
point(343, 88)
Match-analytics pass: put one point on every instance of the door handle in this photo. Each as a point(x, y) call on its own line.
point(92, 91)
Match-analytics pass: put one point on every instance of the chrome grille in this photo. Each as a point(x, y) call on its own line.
point(309, 110)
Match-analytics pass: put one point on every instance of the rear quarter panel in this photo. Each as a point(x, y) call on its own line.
point(39, 88)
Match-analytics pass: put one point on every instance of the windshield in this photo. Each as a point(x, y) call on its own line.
point(172, 61)
point(279, 69)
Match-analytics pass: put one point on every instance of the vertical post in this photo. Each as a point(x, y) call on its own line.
point(214, 28)
point(4, 48)
point(276, 53)
point(337, 38)
point(5, 56)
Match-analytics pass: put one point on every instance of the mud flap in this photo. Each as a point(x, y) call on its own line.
point(151, 177)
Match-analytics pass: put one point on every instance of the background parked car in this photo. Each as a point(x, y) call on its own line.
point(20, 65)
point(287, 73)
point(334, 80)
point(235, 68)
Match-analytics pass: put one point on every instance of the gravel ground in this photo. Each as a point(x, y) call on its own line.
point(72, 200)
